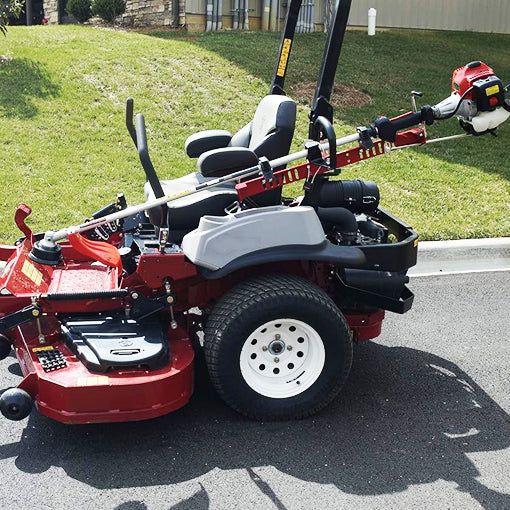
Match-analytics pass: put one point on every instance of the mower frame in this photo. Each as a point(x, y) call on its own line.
point(107, 330)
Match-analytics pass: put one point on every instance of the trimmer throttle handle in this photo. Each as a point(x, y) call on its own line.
point(426, 114)
point(387, 128)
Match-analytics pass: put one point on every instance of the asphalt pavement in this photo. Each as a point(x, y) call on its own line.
point(421, 423)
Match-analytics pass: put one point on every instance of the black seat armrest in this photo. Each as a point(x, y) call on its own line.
point(204, 141)
point(220, 162)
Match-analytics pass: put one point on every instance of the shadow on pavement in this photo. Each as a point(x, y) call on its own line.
point(405, 417)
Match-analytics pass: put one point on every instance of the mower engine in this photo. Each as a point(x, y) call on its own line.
point(477, 99)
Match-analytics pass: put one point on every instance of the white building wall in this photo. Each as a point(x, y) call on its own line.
point(474, 15)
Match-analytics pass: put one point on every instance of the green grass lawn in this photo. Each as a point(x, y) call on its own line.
point(66, 152)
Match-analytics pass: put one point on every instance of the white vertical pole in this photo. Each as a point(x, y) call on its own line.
point(209, 14)
point(235, 20)
point(266, 8)
point(246, 24)
point(372, 13)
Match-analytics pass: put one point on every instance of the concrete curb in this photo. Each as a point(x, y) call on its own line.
point(462, 256)
point(496, 243)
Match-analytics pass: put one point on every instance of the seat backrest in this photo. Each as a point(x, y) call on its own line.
point(270, 132)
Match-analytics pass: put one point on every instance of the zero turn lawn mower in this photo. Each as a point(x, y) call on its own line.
point(105, 317)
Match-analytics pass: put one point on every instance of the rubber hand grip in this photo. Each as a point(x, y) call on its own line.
point(406, 122)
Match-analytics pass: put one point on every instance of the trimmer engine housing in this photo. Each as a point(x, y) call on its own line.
point(477, 99)
point(487, 89)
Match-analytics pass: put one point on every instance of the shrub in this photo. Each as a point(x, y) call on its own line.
point(79, 9)
point(108, 10)
point(9, 8)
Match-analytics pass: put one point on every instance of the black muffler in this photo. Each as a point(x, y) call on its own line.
point(385, 283)
point(379, 289)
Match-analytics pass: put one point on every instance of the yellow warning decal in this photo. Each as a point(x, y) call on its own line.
point(32, 272)
point(42, 349)
point(282, 65)
point(93, 381)
point(492, 90)
point(415, 243)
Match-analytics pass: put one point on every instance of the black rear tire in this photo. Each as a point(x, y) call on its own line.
point(314, 348)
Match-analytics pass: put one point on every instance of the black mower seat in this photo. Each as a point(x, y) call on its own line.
point(185, 213)
point(269, 134)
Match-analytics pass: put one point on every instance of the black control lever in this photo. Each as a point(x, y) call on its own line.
point(129, 119)
point(143, 153)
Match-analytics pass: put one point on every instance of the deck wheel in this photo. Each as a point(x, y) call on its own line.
point(5, 347)
point(15, 404)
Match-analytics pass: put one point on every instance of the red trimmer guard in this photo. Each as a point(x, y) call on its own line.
point(97, 250)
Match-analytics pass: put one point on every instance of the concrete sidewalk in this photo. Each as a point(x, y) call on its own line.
point(462, 256)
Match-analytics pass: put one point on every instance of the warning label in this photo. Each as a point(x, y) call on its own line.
point(32, 272)
point(282, 65)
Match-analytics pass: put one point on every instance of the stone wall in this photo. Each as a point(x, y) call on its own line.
point(51, 11)
point(141, 13)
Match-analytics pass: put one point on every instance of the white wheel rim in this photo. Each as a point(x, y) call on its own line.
point(282, 358)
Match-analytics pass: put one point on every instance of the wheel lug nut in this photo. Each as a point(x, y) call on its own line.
point(277, 336)
point(264, 348)
point(276, 360)
point(289, 347)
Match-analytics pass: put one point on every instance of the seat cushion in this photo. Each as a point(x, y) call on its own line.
point(184, 213)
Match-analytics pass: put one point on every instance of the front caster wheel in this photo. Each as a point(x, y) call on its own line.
point(5, 347)
point(15, 404)
point(277, 348)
